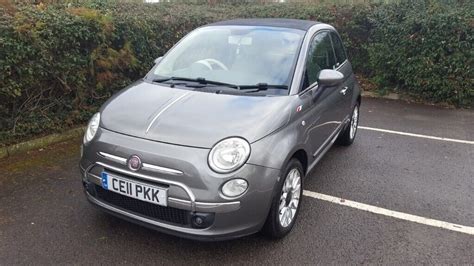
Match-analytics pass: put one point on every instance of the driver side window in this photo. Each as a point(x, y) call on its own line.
point(320, 56)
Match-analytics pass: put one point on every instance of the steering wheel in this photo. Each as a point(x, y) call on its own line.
point(209, 62)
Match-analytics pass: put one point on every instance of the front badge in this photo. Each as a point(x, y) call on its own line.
point(134, 163)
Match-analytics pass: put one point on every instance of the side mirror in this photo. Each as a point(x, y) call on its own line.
point(158, 60)
point(329, 77)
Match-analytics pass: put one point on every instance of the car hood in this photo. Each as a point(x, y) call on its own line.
point(191, 118)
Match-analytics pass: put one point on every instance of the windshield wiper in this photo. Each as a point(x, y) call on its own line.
point(203, 82)
point(199, 80)
point(261, 87)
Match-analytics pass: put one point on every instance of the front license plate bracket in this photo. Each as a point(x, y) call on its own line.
point(135, 189)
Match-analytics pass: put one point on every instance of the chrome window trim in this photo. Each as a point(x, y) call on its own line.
point(314, 84)
point(301, 65)
point(310, 87)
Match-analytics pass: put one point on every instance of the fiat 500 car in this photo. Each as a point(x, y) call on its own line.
point(216, 140)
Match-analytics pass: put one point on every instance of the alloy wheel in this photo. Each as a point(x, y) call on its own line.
point(289, 198)
point(354, 122)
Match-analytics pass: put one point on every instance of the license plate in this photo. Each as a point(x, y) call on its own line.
point(134, 189)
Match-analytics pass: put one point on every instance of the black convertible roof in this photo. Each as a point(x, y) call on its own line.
point(269, 22)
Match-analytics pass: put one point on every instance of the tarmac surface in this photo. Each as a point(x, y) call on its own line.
point(45, 218)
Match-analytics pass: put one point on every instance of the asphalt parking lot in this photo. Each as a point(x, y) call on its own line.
point(405, 196)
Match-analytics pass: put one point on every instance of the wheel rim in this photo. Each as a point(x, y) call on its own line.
point(290, 198)
point(354, 122)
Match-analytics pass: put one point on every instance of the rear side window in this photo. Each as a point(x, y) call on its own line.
point(338, 49)
point(320, 56)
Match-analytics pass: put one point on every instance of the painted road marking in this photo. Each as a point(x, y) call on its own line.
point(395, 214)
point(417, 135)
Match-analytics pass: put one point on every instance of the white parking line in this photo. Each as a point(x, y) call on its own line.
point(395, 214)
point(417, 135)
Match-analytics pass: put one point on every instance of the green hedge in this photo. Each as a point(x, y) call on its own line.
point(59, 62)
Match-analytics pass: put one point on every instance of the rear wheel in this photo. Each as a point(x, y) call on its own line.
point(286, 202)
point(347, 136)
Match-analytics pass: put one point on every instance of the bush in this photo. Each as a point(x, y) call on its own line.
point(57, 66)
point(425, 50)
point(59, 62)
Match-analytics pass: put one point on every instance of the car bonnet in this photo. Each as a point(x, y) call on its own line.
point(192, 118)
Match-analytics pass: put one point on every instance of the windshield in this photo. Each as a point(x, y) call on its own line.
point(240, 55)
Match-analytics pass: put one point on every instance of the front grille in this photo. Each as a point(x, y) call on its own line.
point(142, 208)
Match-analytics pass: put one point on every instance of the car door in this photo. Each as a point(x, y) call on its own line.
point(344, 66)
point(324, 116)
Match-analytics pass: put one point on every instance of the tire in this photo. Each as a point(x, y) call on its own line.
point(347, 136)
point(277, 226)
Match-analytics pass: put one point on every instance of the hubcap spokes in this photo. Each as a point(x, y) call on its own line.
point(354, 122)
point(290, 198)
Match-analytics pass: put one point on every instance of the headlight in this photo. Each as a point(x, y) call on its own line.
point(229, 154)
point(92, 128)
point(234, 187)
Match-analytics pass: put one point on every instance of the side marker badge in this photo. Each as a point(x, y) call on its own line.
point(299, 108)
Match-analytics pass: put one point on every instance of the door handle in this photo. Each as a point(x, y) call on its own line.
point(344, 91)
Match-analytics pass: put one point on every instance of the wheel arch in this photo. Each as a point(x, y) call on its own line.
point(278, 149)
point(302, 157)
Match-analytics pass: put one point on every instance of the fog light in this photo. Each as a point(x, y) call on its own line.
point(202, 220)
point(234, 187)
point(198, 220)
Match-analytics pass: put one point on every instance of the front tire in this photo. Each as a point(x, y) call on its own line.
point(286, 202)
point(347, 136)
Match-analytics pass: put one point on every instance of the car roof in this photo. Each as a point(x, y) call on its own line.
point(299, 24)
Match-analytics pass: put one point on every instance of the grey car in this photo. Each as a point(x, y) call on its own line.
point(216, 140)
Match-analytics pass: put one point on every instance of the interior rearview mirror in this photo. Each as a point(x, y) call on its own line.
point(238, 40)
point(158, 60)
point(329, 77)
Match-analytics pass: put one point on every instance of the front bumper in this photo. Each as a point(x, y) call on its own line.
point(192, 186)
